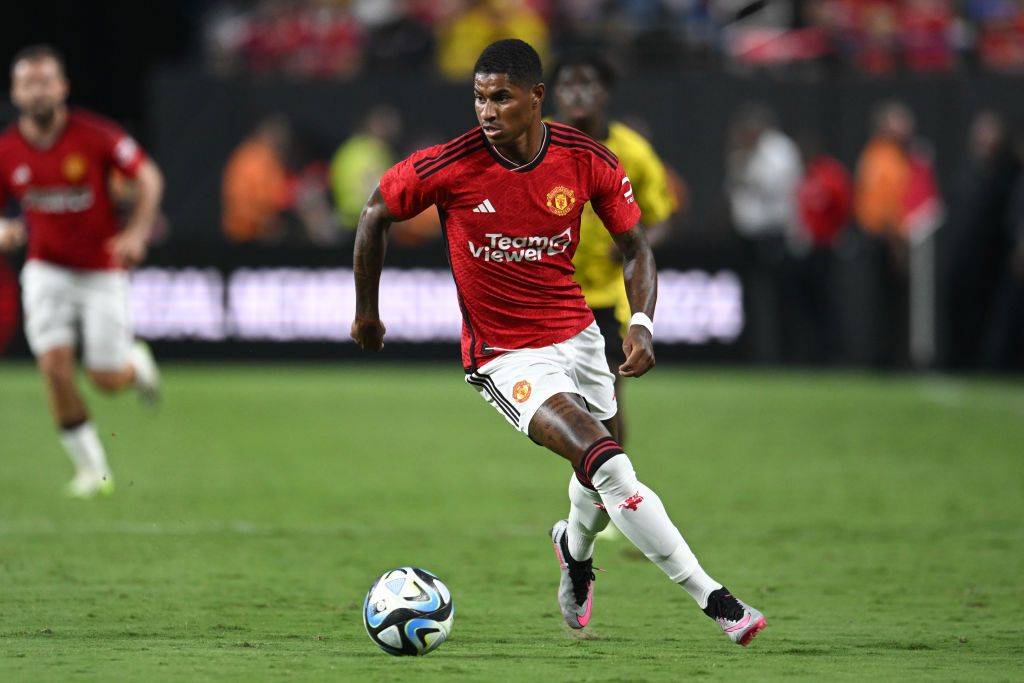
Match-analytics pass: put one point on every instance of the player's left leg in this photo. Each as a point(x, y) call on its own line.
point(112, 359)
point(564, 426)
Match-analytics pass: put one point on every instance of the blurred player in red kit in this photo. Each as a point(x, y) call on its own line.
point(510, 193)
point(56, 163)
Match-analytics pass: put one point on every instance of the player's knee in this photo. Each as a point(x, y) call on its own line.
point(608, 467)
point(106, 381)
point(57, 368)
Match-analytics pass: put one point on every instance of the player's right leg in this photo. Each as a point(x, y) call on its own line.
point(50, 302)
point(113, 361)
point(564, 425)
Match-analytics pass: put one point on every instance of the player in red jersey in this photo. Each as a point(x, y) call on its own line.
point(510, 193)
point(56, 163)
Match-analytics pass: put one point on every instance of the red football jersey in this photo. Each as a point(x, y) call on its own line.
point(511, 231)
point(63, 190)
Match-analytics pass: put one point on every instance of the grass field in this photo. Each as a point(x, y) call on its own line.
point(878, 523)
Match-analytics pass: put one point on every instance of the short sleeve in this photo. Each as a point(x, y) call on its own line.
point(612, 197)
point(406, 192)
point(122, 149)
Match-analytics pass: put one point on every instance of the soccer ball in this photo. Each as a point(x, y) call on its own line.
point(408, 611)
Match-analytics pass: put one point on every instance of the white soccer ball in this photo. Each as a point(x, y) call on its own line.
point(408, 611)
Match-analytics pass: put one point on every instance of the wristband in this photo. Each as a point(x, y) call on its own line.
point(642, 320)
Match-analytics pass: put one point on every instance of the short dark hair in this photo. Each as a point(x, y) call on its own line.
point(38, 51)
point(605, 71)
point(513, 57)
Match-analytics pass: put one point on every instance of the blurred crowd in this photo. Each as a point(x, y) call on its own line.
point(277, 188)
point(344, 38)
point(816, 232)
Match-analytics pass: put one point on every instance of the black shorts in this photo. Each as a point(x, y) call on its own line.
point(611, 330)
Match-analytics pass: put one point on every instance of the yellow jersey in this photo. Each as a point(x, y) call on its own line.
point(598, 272)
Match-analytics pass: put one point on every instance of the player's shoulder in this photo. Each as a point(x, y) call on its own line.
point(448, 158)
point(91, 123)
point(627, 141)
point(577, 143)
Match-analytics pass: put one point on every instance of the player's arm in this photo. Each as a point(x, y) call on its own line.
point(367, 264)
point(641, 279)
point(12, 233)
point(12, 230)
point(129, 246)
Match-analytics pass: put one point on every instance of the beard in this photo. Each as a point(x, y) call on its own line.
point(43, 115)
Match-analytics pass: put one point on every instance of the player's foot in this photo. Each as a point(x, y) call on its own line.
point(88, 484)
point(576, 588)
point(147, 375)
point(738, 620)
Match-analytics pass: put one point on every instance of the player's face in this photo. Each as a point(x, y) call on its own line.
point(579, 93)
point(38, 87)
point(505, 110)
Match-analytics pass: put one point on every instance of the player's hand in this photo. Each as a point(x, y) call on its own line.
point(368, 333)
point(12, 235)
point(128, 248)
point(639, 349)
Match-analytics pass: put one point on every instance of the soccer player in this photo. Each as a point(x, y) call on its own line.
point(583, 84)
point(510, 193)
point(57, 163)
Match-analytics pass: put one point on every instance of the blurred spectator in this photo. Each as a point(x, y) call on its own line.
point(361, 160)
point(897, 199)
point(999, 25)
point(1004, 343)
point(264, 200)
point(256, 188)
point(311, 38)
point(397, 39)
point(763, 170)
point(477, 24)
point(978, 237)
point(926, 30)
point(825, 201)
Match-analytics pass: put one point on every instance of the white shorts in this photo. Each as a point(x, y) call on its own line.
point(518, 382)
point(62, 302)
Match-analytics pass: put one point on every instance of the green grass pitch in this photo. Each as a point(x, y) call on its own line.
point(878, 523)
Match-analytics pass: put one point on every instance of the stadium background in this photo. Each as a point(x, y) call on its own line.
point(196, 89)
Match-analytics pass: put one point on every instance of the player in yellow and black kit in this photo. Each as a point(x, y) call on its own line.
point(583, 85)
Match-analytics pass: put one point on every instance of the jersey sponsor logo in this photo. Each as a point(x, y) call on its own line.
point(561, 200)
point(504, 249)
point(485, 207)
point(628, 193)
point(73, 167)
point(22, 175)
point(521, 391)
point(58, 199)
point(126, 150)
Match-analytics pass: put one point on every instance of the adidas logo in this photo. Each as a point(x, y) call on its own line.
point(485, 207)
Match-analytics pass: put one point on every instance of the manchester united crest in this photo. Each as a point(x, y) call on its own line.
point(561, 200)
point(73, 167)
point(521, 391)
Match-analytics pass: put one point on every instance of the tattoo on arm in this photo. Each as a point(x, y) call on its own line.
point(639, 270)
point(368, 254)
